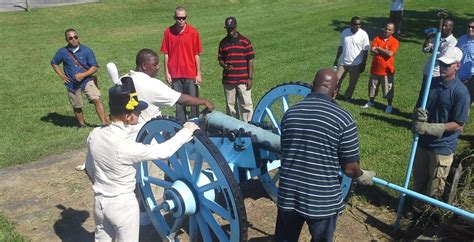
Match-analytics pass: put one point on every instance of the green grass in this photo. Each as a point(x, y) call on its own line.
point(7, 231)
point(292, 40)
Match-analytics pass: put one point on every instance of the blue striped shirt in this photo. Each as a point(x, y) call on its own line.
point(317, 137)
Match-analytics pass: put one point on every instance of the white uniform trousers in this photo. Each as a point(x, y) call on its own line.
point(117, 218)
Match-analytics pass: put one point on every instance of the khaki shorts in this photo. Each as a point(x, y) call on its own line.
point(430, 171)
point(91, 91)
point(387, 85)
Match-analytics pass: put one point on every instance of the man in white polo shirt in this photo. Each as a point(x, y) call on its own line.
point(351, 55)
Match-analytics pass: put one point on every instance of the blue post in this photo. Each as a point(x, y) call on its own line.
point(425, 198)
point(424, 100)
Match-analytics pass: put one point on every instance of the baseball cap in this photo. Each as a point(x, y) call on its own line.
point(230, 22)
point(451, 55)
point(122, 100)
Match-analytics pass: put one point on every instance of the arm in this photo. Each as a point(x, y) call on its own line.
point(185, 99)
point(360, 176)
point(384, 52)
point(427, 45)
point(60, 73)
point(364, 60)
point(137, 152)
point(91, 71)
point(198, 69)
point(338, 54)
point(250, 67)
point(167, 73)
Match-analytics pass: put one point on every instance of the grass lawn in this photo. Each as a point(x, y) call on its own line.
point(292, 40)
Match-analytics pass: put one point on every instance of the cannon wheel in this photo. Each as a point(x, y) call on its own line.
point(269, 111)
point(193, 191)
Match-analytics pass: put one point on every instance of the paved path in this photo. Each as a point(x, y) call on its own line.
point(20, 5)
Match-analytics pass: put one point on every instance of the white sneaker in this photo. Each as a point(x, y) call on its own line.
point(368, 104)
point(81, 167)
point(389, 109)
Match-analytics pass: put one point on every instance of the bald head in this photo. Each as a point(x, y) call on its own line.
point(325, 82)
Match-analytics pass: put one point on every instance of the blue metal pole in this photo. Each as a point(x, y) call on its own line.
point(425, 198)
point(424, 100)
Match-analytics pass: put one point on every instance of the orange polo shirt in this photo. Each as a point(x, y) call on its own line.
point(382, 65)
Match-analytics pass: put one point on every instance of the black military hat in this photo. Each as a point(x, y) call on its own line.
point(122, 100)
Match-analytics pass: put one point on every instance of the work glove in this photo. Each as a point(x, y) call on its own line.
point(435, 129)
point(420, 115)
point(366, 178)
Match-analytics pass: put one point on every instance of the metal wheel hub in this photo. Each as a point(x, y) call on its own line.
point(180, 200)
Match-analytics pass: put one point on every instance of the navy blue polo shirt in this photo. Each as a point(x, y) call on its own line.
point(317, 137)
point(447, 102)
point(84, 55)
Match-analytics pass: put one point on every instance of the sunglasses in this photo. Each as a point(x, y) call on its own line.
point(180, 18)
point(471, 27)
point(357, 24)
point(72, 37)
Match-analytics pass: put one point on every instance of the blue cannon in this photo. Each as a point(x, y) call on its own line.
point(197, 189)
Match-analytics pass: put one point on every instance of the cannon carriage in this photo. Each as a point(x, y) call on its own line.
point(197, 189)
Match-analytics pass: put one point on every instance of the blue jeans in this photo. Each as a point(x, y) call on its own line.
point(185, 86)
point(289, 224)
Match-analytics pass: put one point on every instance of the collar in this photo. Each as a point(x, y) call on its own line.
point(319, 95)
point(74, 50)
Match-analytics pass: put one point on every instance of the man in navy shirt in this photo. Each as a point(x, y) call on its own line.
point(439, 126)
point(79, 64)
point(318, 139)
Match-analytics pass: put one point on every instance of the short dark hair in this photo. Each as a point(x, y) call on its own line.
point(179, 8)
point(470, 21)
point(143, 55)
point(355, 18)
point(69, 30)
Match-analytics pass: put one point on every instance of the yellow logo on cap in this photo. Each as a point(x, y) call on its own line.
point(132, 103)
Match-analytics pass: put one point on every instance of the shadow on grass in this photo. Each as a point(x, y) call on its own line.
point(59, 120)
point(394, 122)
point(69, 226)
point(413, 25)
point(63, 120)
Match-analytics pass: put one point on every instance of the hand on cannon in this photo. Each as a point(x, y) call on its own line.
point(190, 126)
point(366, 178)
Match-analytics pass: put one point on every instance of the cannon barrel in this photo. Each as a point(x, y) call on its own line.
point(220, 121)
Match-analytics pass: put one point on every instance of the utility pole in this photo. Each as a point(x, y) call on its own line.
point(27, 5)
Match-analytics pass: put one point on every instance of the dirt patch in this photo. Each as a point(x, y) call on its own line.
point(49, 201)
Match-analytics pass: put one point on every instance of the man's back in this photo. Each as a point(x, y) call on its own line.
point(317, 136)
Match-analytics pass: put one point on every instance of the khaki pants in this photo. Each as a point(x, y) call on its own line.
point(387, 85)
point(91, 91)
point(430, 172)
point(353, 78)
point(117, 218)
point(239, 93)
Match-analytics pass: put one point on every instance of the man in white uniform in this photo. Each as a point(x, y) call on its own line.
point(111, 154)
point(351, 55)
point(154, 91)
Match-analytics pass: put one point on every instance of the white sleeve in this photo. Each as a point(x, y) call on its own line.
point(366, 41)
point(89, 165)
point(164, 95)
point(129, 150)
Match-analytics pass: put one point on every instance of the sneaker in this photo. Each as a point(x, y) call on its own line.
point(82, 126)
point(81, 167)
point(368, 104)
point(389, 109)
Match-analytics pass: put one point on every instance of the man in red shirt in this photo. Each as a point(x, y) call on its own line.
point(383, 49)
point(181, 47)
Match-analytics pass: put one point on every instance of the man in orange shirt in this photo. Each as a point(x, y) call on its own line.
point(383, 49)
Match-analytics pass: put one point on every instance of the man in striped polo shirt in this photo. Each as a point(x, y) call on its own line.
point(236, 56)
point(318, 138)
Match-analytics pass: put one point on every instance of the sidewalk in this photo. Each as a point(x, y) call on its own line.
point(20, 5)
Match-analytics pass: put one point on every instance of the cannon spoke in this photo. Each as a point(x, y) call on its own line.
point(212, 222)
point(224, 213)
point(203, 228)
point(157, 181)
